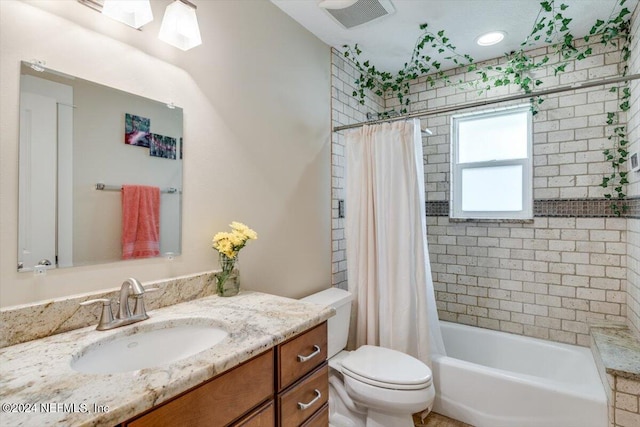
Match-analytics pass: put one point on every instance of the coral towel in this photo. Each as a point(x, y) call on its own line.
point(140, 221)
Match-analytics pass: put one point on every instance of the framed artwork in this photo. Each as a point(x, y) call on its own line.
point(136, 130)
point(163, 146)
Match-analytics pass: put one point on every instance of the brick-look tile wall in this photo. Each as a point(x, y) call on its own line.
point(633, 189)
point(633, 275)
point(623, 393)
point(542, 279)
point(622, 396)
point(545, 278)
point(625, 411)
point(345, 109)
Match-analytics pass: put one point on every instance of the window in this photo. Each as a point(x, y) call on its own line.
point(491, 166)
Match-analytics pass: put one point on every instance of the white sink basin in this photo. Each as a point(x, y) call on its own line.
point(146, 347)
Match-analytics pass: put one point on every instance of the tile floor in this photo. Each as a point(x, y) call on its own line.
point(437, 420)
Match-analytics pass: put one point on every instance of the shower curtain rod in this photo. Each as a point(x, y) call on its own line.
point(575, 86)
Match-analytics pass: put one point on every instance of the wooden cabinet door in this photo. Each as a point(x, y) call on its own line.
point(319, 419)
point(218, 402)
point(300, 402)
point(301, 355)
point(265, 416)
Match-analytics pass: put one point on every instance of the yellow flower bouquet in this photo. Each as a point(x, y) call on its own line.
point(228, 245)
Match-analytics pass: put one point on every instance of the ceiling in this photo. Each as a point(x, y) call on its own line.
point(389, 41)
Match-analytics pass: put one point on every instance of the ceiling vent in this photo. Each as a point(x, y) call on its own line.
point(361, 12)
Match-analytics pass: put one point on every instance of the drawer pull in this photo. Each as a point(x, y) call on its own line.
point(316, 351)
point(303, 406)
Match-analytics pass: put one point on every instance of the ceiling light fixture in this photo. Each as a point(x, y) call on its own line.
point(180, 25)
point(134, 13)
point(336, 4)
point(490, 38)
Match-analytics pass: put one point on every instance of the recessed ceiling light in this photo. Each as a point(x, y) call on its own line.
point(491, 38)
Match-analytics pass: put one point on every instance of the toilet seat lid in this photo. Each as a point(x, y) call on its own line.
point(386, 368)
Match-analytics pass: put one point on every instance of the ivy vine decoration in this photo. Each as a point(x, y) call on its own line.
point(618, 154)
point(421, 64)
point(613, 31)
point(552, 27)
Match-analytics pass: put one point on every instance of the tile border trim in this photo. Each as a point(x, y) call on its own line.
point(563, 208)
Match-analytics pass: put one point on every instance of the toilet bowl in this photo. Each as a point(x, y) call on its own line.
point(371, 386)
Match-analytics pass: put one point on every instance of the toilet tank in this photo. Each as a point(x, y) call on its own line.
point(338, 325)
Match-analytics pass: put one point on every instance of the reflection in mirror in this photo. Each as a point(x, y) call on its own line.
point(100, 173)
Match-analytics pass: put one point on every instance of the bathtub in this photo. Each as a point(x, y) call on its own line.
point(496, 379)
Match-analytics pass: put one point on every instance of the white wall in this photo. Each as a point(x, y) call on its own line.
point(256, 99)
point(102, 156)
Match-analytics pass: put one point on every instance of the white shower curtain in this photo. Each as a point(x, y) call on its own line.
point(387, 259)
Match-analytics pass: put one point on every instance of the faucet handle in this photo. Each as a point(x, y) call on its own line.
point(106, 317)
point(139, 309)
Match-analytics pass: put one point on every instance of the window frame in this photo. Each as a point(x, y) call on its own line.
point(456, 168)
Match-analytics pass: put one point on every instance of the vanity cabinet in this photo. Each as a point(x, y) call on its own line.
point(302, 377)
point(286, 386)
point(219, 401)
point(265, 416)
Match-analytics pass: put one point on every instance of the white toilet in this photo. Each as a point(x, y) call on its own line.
point(371, 386)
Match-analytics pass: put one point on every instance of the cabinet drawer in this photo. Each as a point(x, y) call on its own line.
point(265, 416)
point(219, 401)
point(301, 401)
point(301, 355)
point(319, 419)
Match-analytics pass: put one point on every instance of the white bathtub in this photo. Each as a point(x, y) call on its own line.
point(495, 379)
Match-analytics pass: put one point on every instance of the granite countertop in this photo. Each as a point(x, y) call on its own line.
point(38, 387)
point(619, 350)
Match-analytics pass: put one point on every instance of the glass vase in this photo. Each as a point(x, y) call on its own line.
point(228, 279)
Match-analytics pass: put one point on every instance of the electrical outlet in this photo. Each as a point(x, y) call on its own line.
point(341, 208)
point(634, 162)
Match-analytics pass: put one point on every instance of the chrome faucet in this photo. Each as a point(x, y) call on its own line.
point(130, 288)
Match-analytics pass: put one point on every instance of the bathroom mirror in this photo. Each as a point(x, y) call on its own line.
point(80, 142)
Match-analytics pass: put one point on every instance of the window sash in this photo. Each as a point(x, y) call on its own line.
point(457, 170)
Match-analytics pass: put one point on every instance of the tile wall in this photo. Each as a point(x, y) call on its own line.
point(626, 411)
point(624, 403)
point(633, 189)
point(345, 110)
point(544, 278)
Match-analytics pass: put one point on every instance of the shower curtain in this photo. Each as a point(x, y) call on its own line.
point(388, 268)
